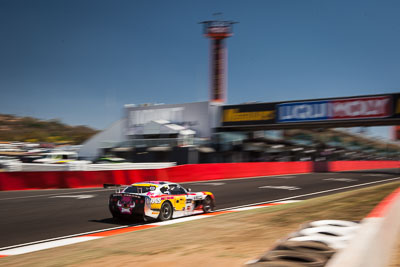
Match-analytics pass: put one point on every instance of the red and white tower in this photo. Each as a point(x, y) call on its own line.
point(218, 31)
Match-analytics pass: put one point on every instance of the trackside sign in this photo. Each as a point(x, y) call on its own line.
point(336, 109)
point(248, 114)
point(303, 111)
point(365, 110)
point(371, 107)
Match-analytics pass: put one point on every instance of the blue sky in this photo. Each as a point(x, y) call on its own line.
point(82, 60)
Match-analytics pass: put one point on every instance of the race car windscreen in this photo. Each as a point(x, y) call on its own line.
point(139, 189)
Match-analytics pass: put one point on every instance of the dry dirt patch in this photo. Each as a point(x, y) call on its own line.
point(224, 240)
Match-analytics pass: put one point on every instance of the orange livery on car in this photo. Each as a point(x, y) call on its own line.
point(159, 200)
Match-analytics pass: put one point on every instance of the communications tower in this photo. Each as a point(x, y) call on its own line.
point(218, 31)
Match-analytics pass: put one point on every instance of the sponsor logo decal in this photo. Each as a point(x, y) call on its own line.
point(126, 205)
point(155, 201)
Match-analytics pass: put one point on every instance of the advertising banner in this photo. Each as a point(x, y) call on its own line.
point(336, 109)
point(248, 114)
point(360, 110)
point(356, 108)
point(303, 111)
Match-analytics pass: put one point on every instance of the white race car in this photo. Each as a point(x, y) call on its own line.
point(158, 200)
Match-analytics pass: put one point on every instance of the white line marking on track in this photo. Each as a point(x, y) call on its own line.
point(267, 176)
point(348, 180)
point(68, 236)
point(185, 219)
point(51, 244)
point(214, 184)
point(248, 208)
point(74, 196)
point(262, 206)
point(282, 187)
point(285, 177)
point(376, 174)
point(57, 194)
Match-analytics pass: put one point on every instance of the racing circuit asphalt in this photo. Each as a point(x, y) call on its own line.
point(35, 215)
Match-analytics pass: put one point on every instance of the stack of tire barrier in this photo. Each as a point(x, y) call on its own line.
point(311, 246)
point(376, 239)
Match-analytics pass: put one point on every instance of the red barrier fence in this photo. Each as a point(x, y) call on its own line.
point(182, 173)
point(337, 166)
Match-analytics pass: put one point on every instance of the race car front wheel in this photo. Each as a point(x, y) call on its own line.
point(165, 212)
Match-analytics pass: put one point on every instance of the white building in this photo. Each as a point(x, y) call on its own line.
point(153, 125)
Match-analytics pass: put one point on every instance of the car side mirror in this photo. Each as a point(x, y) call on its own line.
point(189, 190)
